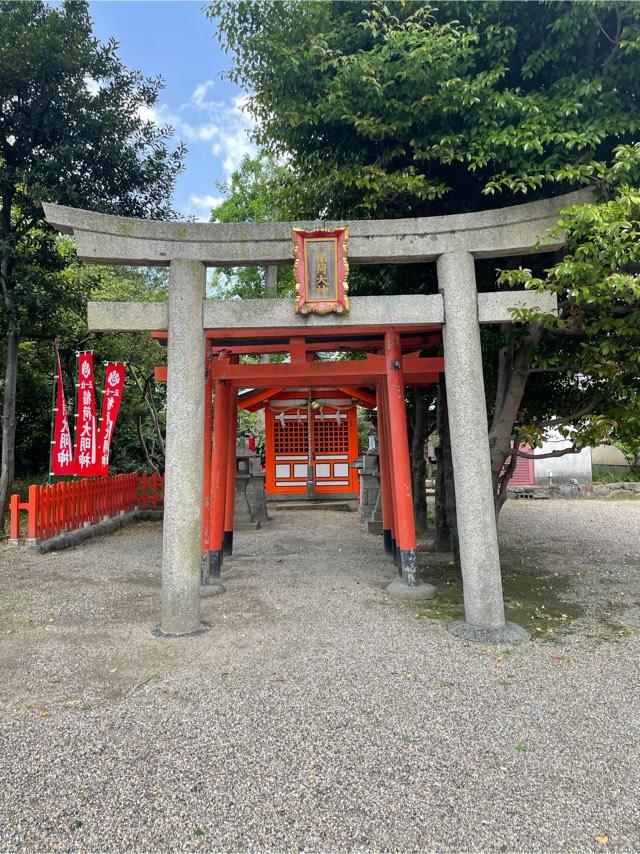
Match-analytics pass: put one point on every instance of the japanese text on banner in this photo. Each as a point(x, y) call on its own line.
point(61, 447)
point(111, 399)
point(85, 460)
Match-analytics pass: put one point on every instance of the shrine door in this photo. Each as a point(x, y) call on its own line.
point(334, 446)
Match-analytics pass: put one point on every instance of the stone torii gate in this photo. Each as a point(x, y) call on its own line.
point(453, 242)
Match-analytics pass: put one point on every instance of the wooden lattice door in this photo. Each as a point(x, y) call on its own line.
point(331, 450)
point(334, 445)
point(287, 451)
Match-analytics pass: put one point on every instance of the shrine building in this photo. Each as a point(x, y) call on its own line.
point(311, 440)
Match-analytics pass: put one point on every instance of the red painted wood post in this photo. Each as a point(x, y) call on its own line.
point(219, 455)
point(73, 512)
point(89, 488)
point(62, 505)
point(68, 505)
point(33, 520)
point(155, 482)
point(14, 518)
point(206, 460)
point(230, 496)
point(401, 474)
point(383, 466)
point(144, 491)
point(393, 510)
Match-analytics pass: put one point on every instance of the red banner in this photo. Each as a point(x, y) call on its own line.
point(111, 399)
point(61, 447)
point(85, 463)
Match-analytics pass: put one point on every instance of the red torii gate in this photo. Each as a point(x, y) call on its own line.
point(393, 361)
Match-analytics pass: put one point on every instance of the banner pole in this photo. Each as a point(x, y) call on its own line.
point(100, 419)
point(53, 407)
point(75, 418)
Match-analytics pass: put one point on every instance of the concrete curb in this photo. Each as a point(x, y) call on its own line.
point(596, 489)
point(68, 539)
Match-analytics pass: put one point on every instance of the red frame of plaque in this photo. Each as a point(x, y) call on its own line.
point(306, 303)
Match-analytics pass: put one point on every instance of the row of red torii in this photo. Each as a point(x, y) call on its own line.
point(206, 337)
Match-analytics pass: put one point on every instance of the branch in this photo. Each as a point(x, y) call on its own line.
point(506, 476)
point(505, 365)
point(575, 416)
point(146, 396)
point(558, 370)
point(143, 445)
point(615, 41)
point(561, 452)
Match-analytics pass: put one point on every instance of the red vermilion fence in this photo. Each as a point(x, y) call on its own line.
point(57, 507)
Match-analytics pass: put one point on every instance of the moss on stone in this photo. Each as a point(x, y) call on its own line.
point(534, 599)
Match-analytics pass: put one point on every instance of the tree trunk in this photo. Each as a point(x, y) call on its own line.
point(7, 465)
point(446, 527)
point(441, 527)
point(418, 461)
point(514, 365)
point(8, 457)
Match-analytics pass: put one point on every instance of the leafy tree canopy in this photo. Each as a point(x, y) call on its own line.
point(74, 129)
point(406, 108)
point(259, 191)
point(142, 403)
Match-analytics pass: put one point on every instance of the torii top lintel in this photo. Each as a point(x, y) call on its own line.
point(514, 230)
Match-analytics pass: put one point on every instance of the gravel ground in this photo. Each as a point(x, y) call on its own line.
point(319, 714)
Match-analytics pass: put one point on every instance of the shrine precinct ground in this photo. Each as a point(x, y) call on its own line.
point(453, 242)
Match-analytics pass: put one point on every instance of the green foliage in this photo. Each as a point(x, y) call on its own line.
point(72, 131)
point(365, 428)
point(252, 424)
point(410, 108)
point(138, 350)
point(71, 128)
point(631, 450)
point(256, 192)
point(402, 109)
point(592, 347)
point(609, 474)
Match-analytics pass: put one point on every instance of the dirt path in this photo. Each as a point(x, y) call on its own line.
point(318, 713)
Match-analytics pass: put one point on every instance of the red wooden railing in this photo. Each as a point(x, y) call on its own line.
point(67, 506)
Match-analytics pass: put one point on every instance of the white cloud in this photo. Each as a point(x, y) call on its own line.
point(233, 141)
point(205, 132)
point(93, 87)
point(224, 126)
point(228, 125)
point(199, 96)
point(161, 115)
point(200, 206)
point(149, 114)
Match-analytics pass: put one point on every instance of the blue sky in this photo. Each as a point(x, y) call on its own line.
point(174, 39)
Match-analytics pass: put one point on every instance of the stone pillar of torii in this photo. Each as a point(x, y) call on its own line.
point(453, 242)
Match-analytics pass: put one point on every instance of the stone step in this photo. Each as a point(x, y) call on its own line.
point(337, 506)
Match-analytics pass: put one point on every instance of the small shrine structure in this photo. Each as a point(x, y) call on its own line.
point(311, 440)
point(400, 335)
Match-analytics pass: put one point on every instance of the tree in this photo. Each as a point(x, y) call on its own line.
point(256, 192)
point(591, 349)
point(139, 438)
point(72, 132)
point(138, 441)
point(403, 109)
